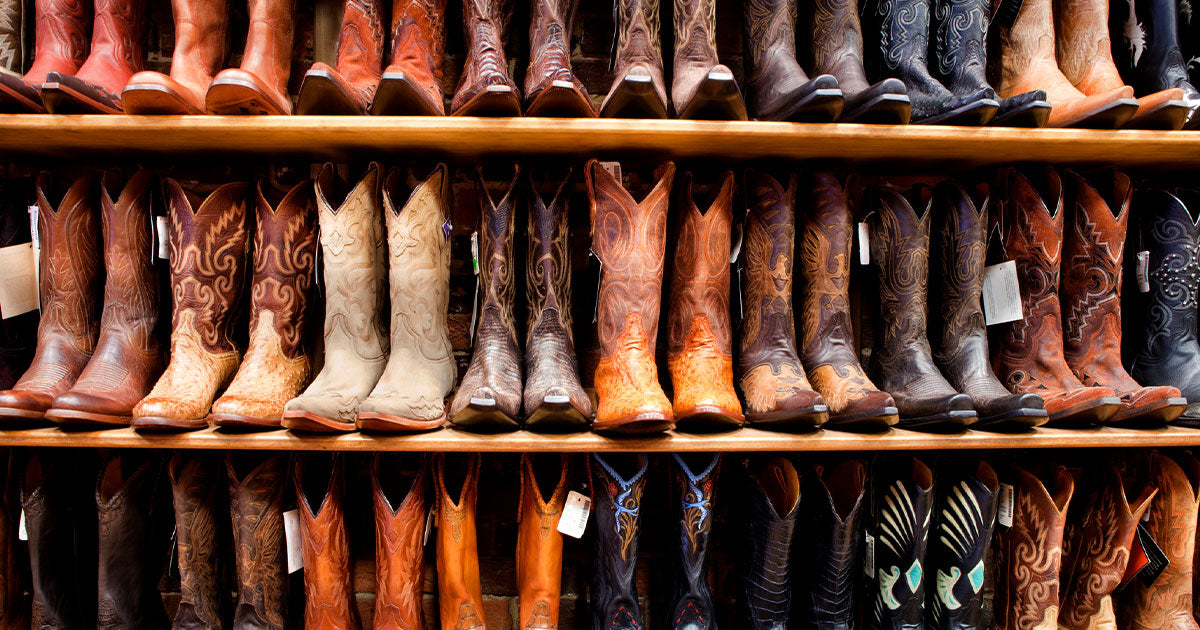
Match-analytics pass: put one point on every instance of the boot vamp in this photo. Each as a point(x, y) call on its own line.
point(346, 379)
point(775, 81)
point(106, 71)
point(495, 370)
point(1177, 365)
point(185, 390)
point(412, 386)
point(55, 367)
point(122, 369)
point(910, 376)
point(550, 366)
point(693, 614)
point(266, 380)
point(970, 371)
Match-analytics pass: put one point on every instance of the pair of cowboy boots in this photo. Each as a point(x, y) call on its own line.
point(492, 394)
point(324, 544)
point(777, 87)
point(1154, 62)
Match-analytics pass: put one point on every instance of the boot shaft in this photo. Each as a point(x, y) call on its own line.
point(118, 33)
point(825, 325)
point(497, 283)
point(360, 42)
point(904, 28)
point(696, 33)
point(199, 507)
point(902, 506)
point(1154, 60)
point(700, 286)
point(638, 35)
point(770, 30)
point(131, 286)
point(900, 249)
point(771, 502)
point(694, 484)
point(459, 592)
point(268, 51)
point(200, 41)
point(539, 544)
point(485, 23)
point(328, 594)
point(617, 505)
point(770, 242)
point(548, 265)
point(550, 27)
point(130, 502)
point(419, 35)
point(285, 250)
point(70, 262)
point(256, 486)
point(400, 512)
point(957, 255)
point(837, 43)
point(960, 30)
point(61, 35)
point(833, 503)
point(963, 516)
point(1083, 45)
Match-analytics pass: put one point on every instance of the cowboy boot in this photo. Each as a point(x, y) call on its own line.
point(60, 43)
point(553, 396)
point(701, 87)
point(1027, 354)
point(836, 47)
point(275, 366)
point(460, 598)
point(259, 86)
point(1151, 57)
point(963, 515)
point(695, 482)
point(128, 355)
point(411, 393)
point(772, 501)
point(901, 360)
point(773, 382)
point(354, 257)
point(400, 510)
point(411, 85)
point(831, 528)
point(539, 544)
point(208, 250)
point(1096, 549)
point(200, 38)
point(827, 336)
point(1093, 249)
point(328, 593)
point(117, 53)
point(959, 335)
point(256, 485)
point(18, 334)
point(637, 90)
point(200, 505)
point(489, 395)
point(349, 89)
point(699, 336)
point(551, 89)
point(12, 37)
point(618, 503)
point(14, 556)
point(70, 261)
point(484, 88)
point(777, 87)
point(903, 503)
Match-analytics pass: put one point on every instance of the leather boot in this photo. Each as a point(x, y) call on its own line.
point(328, 594)
point(699, 335)
point(60, 44)
point(777, 87)
point(484, 88)
point(1093, 249)
point(831, 531)
point(902, 361)
point(701, 87)
point(18, 335)
point(1028, 354)
point(208, 250)
point(489, 396)
point(772, 501)
point(411, 393)
point(354, 257)
point(128, 355)
point(460, 598)
point(276, 365)
point(553, 398)
point(963, 515)
point(837, 49)
point(259, 86)
point(637, 90)
point(200, 41)
point(117, 53)
point(134, 540)
point(1153, 62)
point(14, 555)
point(773, 382)
point(539, 544)
point(399, 499)
point(629, 240)
point(695, 484)
point(551, 89)
point(617, 485)
point(412, 83)
point(1096, 549)
point(200, 505)
point(960, 343)
point(70, 262)
point(348, 89)
point(826, 333)
point(256, 485)
point(901, 508)
point(12, 37)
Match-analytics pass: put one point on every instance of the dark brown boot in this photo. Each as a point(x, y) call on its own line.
point(701, 87)
point(201, 530)
point(256, 486)
point(837, 49)
point(551, 89)
point(412, 83)
point(348, 89)
point(777, 87)
point(14, 556)
point(638, 90)
point(400, 511)
point(328, 594)
point(485, 89)
point(118, 52)
point(61, 45)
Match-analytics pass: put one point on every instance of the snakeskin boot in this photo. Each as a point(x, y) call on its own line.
point(831, 525)
point(551, 88)
point(484, 87)
point(772, 503)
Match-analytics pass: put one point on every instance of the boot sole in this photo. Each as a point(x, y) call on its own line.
point(1111, 115)
point(234, 97)
point(1033, 115)
point(248, 423)
point(705, 419)
point(974, 114)
point(1167, 116)
point(560, 100)
point(167, 425)
point(75, 416)
point(321, 95)
point(309, 422)
point(1013, 420)
point(23, 414)
point(805, 417)
point(717, 98)
point(397, 96)
point(634, 97)
point(18, 97)
point(154, 99)
point(885, 109)
point(637, 424)
point(1090, 412)
point(556, 416)
point(1161, 412)
point(64, 98)
point(876, 420)
point(385, 423)
point(947, 420)
point(495, 101)
point(482, 415)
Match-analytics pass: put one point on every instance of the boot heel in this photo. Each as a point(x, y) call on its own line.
point(495, 101)
point(561, 100)
point(324, 92)
point(634, 97)
point(399, 95)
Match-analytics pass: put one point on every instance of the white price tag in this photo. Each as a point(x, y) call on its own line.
point(428, 527)
point(22, 533)
point(613, 168)
point(18, 280)
point(1001, 293)
point(1143, 271)
point(33, 227)
point(864, 243)
point(573, 520)
point(736, 252)
point(160, 231)
point(1004, 513)
point(869, 555)
point(291, 534)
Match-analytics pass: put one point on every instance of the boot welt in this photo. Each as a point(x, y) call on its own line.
point(1095, 410)
point(560, 99)
point(946, 420)
point(1032, 115)
point(76, 416)
point(1159, 411)
point(1111, 115)
point(399, 95)
point(810, 416)
point(19, 97)
point(637, 424)
point(493, 101)
point(482, 414)
point(556, 416)
point(879, 419)
point(882, 109)
point(718, 98)
point(634, 97)
point(65, 94)
point(313, 423)
point(239, 421)
point(163, 424)
point(1168, 115)
point(708, 418)
point(1013, 419)
point(233, 96)
point(152, 98)
point(973, 114)
point(820, 100)
point(376, 421)
point(23, 414)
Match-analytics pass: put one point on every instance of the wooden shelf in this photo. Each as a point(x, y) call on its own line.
point(363, 137)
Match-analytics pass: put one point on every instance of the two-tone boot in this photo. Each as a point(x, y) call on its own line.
point(14, 556)
point(411, 84)
point(539, 543)
point(60, 44)
point(638, 89)
point(771, 500)
point(117, 52)
point(348, 88)
point(328, 593)
point(701, 87)
point(830, 533)
point(460, 596)
point(551, 88)
point(777, 87)
point(694, 482)
point(484, 88)
point(259, 86)
point(901, 506)
point(964, 512)
point(398, 492)
point(256, 488)
point(200, 32)
point(201, 501)
point(836, 48)
point(1149, 55)
point(618, 482)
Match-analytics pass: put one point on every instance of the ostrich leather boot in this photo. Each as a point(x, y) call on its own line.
point(1154, 61)
point(328, 593)
point(777, 87)
point(208, 253)
point(629, 240)
point(1096, 549)
point(960, 343)
point(275, 366)
point(835, 31)
point(400, 511)
point(617, 485)
point(200, 42)
point(695, 480)
point(553, 396)
point(701, 87)
point(128, 355)
point(460, 596)
point(117, 53)
point(1027, 354)
point(201, 535)
point(773, 382)
point(256, 487)
point(484, 88)
point(551, 88)
point(14, 556)
point(70, 279)
point(420, 372)
point(354, 257)
point(1093, 251)
point(901, 510)
point(902, 361)
point(964, 512)
point(259, 86)
point(349, 88)
point(638, 90)
point(699, 334)
point(831, 531)
point(539, 544)
point(411, 84)
point(772, 501)
point(61, 30)
point(826, 333)
point(489, 395)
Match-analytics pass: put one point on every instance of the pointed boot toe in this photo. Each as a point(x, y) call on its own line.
point(326, 92)
point(156, 93)
point(483, 412)
point(1158, 404)
point(560, 99)
point(635, 95)
point(496, 100)
point(401, 94)
point(83, 408)
point(1110, 110)
point(67, 94)
point(243, 412)
point(23, 405)
point(556, 413)
point(238, 92)
point(19, 97)
point(1164, 110)
point(975, 110)
point(716, 97)
point(1028, 110)
point(884, 103)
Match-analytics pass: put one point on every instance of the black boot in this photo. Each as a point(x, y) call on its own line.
point(1154, 61)
point(963, 516)
point(900, 511)
point(831, 531)
point(693, 608)
point(618, 503)
point(771, 491)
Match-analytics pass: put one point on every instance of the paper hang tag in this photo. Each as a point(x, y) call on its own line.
point(475, 252)
point(1004, 513)
point(573, 520)
point(736, 252)
point(173, 557)
point(474, 309)
point(22, 532)
point(864, 244)
point(160, 231)
point(869, 555)
point(612, 168)
point(428, 527)
point(1143, 271)
point(291, 534)
point(1001, 294)
point(33, 227)
point(18, 280)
